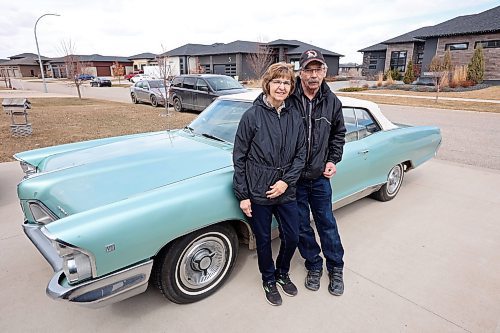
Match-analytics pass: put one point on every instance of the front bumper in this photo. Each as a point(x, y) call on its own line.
point(93, 293)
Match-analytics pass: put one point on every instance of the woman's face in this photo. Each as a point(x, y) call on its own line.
point(279, 89)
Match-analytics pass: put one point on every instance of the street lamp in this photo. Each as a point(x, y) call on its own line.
point(38, 50)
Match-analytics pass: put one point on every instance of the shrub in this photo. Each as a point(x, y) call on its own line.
point(447, 61)
point(458, 76)
point(352, 89)
point(390, 80)
point(409, 75)
point(475, 69)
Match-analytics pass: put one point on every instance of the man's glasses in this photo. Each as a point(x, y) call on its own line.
point(286, 83)
point(310, 71)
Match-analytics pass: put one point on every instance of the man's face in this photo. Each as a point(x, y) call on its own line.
point(312, 75)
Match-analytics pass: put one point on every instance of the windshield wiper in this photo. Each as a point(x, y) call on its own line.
point(210, 136)
point(190, 129)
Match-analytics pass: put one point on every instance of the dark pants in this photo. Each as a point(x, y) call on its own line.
point(288, 224)
point(317, 194)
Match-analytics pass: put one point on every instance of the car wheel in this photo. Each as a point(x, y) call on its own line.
point(154, 101)
point(194, 266)
point(393, 184)
point(177, 104)
point(134, 98)
point(91, 84)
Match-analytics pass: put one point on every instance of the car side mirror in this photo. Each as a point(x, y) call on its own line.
point(204, 88)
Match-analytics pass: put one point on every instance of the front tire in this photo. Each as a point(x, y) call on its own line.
point(194, 266)
point(177, 104)
point(393, 184)
point(134, 98)
point(154, 101)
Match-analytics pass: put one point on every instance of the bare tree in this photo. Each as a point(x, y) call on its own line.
point(73, 64)
point(260, 60)
point(166, 70)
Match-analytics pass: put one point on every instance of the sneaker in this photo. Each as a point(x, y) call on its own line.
point(273, 296)
point(286, 285)
point(336, 285)
point(313, 279)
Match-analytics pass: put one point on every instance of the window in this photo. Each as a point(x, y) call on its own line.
point(201, 85)
point(398, 60)
point(230, 69)
point(372, 67)
point(358, 123)
point(177, 82)
point(489, 44)
point(189, 82)
point(181, 65)
point(456, 46)
point(420, 57)
point(373, 62)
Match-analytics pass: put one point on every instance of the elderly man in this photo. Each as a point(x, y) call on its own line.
point(325, 137)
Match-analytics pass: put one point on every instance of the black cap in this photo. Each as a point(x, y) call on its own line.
point(309, 56)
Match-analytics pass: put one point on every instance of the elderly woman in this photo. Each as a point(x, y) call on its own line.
point(269, 154)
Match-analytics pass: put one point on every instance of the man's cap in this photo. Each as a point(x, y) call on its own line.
point(310, 56)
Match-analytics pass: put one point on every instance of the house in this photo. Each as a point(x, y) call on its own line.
point(238, 58)
point(143, 59)
point(461, 35)
point(350, 69)
point(22, 65)
point(94, 64)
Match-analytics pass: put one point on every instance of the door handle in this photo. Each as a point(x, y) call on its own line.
point(363, 152)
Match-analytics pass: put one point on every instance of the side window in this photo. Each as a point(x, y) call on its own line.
point(201, 85)
point(359, 124)
point(189, 82)
point(177, 82)
point(139, 84)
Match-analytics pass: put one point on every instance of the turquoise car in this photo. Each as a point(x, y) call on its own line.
point(110, 215)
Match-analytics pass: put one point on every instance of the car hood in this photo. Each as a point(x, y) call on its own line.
point(75, 181)
point(230, 91)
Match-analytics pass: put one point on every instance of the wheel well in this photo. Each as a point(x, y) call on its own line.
point(407, 165)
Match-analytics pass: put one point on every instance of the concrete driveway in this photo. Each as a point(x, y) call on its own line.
point(428, 261)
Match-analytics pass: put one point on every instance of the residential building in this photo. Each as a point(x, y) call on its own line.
point(143, 59)
point(238, 58)
point(461, 35)
point(94, 64)
point(22, 65)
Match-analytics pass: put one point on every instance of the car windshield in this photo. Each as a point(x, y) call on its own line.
point(222, 82)
point(156, 84)
point(220, 120)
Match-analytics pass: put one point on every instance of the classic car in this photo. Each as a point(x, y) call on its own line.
point(111, 214)
point(149, 91)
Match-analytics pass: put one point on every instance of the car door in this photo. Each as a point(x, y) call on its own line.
point(356, 171)
point(142, 91)
point(187, 91)
point(202, 97)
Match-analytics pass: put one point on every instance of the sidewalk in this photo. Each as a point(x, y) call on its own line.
point(426, 97)
point(29, 94)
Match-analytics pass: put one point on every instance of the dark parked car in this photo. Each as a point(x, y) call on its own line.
point(85, 77)
point(100, 82)
point(149, 91)
point(197, 91)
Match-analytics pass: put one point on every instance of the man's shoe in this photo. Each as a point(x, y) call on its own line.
point(273, 296)
point(336, 285)
point(286, 285)
point(313, 279)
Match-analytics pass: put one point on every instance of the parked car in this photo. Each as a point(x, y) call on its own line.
point(140, 77)
point(111, 214)
point(100, 82)
point(132, 74)
point(85, 77)
point(149, 91)
point(197, 91)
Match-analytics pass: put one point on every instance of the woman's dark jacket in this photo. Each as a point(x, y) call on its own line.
point(268, 147)
point(324, 126)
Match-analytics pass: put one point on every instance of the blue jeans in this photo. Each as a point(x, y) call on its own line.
point(288, 225)
point(317, 194)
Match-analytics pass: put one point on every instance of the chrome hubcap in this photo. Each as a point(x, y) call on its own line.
point(203, 262)
point(394, 179)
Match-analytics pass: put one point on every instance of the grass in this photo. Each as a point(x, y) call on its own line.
point(64, 120)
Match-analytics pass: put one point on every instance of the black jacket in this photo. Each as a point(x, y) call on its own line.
point(324, 126)
point(268, 147)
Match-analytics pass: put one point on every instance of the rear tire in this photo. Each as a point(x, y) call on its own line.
point(393, 184)
point(134, 98)
point(154, 101)
point(193, 267)
point(177, 104)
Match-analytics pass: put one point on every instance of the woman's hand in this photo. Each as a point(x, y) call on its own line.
point(246, 207)
point(277, 189)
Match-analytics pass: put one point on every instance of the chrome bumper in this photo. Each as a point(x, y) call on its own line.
point(94, 293)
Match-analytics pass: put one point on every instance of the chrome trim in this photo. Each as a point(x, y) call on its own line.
point(42, 207)
point(356, 196)
point(43, 244)
point(105, 290)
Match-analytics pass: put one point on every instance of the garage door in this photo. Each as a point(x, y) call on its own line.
point(103, 71)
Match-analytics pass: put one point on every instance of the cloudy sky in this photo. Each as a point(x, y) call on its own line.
point(126, 27)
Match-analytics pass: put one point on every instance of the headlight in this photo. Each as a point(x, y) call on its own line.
point(28, 169)
point(77, 264)
point(40, 213)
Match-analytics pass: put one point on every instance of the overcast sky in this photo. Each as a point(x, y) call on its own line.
point(126, 28)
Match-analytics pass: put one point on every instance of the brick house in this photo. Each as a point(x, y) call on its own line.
point(94, 64)
point(22, 65)
point(460, 35)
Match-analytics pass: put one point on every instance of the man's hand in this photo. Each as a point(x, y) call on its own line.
point(330, 170)
point(246, 207)
point(277, 189)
